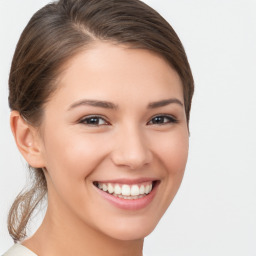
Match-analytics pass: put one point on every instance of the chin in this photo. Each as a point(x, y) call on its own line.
point(127, 231)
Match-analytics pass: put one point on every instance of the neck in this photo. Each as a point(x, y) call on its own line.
point(66, 236)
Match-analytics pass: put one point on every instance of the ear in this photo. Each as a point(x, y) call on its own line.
point(27, 140)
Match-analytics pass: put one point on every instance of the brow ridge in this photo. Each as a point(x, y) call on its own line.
point(165, 102)
point(110, 105)
point(94, 103)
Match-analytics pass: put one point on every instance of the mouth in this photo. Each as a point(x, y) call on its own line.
point(127, 191)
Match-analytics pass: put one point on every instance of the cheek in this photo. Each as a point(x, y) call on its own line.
point(73, 155)
point(172, 151)
point(70, 160)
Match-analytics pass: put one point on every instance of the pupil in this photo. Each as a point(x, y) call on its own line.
point(158, 120)
point(93, 121)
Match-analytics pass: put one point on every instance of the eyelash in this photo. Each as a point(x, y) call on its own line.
point(166, 119)
point(95, 117)
point(170, 119)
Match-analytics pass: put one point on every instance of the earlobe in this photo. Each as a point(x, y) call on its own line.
point(27, 141)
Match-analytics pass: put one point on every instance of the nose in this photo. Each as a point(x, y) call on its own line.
point(131, 149)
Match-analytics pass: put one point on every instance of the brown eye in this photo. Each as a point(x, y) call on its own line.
point(93, 121)
point(162, 119)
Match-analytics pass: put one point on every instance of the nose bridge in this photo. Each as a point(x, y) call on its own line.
point(131, 147)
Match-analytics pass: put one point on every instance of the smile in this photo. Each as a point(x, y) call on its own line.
point(127, 195)
point(126, 191)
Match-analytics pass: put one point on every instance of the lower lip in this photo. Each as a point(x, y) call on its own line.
point(129, 204)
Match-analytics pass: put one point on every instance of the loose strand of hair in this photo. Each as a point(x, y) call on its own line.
point(25, 204)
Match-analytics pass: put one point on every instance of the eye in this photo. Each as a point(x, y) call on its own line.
point(162, 119)
point(93, 121)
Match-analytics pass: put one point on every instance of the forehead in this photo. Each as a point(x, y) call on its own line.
point(113, 71)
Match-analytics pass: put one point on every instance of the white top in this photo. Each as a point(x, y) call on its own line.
point(19, 250)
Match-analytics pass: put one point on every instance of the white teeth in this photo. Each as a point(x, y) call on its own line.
point(147, 189)
point(135, 191)
point(110, 188)
point(104, 187)
point(130, 197)
point(142, 190)
point(118, 190)
point(126, 191)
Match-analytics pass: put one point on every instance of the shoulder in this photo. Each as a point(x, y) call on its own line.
point(19, 250)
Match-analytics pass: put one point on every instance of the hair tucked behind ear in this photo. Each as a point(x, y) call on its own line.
point(55, 34)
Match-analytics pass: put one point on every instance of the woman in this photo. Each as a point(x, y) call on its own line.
point(100, 93)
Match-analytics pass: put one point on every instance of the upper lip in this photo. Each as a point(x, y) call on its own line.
point(127, 181)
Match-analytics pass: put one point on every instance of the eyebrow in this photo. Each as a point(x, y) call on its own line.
point(94, 103)
point(110, 105)
point(163, 103)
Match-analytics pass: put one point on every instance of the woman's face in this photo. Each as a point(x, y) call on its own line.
point(115, 127)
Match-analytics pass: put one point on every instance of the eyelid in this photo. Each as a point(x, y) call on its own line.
point(172, 118)
point(83, 119)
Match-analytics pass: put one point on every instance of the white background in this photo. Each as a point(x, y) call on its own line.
point(214, 212)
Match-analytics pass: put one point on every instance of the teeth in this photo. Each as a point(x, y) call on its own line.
point(130, 197)
point(148, 189)
point(126, 191)
point(110, 188)
point(142, 190)
point(105, 187)
point(118, 190)
point(135, 191)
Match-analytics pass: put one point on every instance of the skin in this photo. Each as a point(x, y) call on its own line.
point(126, 143)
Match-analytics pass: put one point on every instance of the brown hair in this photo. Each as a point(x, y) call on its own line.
point(56, 33)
